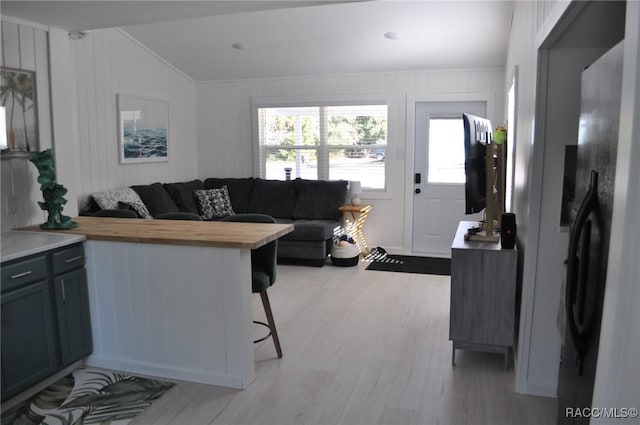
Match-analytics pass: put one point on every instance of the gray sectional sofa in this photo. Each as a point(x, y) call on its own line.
point(310, 205)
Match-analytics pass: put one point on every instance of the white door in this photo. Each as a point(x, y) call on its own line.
point(439, 203)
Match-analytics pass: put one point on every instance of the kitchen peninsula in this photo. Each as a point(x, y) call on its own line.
point(172, 298)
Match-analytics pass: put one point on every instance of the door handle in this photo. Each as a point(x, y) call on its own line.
point(418, 190)
point(580, 286)
point(573, 267)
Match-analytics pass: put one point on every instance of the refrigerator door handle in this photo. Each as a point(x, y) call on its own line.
point(573, 267)
point(582, 279)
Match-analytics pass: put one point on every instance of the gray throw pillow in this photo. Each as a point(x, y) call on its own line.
point(213, 203)
point(109, 199)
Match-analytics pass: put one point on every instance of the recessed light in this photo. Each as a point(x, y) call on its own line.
point(393, 35)
point(239, 46)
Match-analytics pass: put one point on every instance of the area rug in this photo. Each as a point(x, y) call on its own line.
point(410, 264)
point(88, 396)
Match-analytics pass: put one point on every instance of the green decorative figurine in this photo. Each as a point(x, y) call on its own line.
point(52, 192)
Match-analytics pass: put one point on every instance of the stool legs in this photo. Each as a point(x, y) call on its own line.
point(271, 322)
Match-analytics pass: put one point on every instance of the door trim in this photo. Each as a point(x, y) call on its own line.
point(412, 99)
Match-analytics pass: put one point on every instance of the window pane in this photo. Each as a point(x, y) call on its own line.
point(354, 137)
point(357, 125)
point(290, 126)
point(367, 168)
point(303, 163)
point(446, 150)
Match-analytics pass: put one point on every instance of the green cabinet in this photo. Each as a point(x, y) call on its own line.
point(72, 312)
point(45, 316)
point(29, 349)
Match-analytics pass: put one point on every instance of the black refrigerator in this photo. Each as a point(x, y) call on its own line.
point(589, 234)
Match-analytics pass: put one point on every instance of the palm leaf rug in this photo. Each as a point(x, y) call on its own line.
point(88, 396)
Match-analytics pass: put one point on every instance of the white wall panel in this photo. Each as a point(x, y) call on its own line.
point(190, 323)
point(108, 62)
point(225, 125)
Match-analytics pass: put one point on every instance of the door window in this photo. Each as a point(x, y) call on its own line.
point(446, 150)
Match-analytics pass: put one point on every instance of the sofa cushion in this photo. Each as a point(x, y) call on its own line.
point(155, 198)
point(213, 203)
point(109, 200)
point(318, 199)
point(310, 230)
point(182, 194)
point(239, 191)
point(273, 197)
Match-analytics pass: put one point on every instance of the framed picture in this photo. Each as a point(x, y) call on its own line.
point(143, 129)
point(19, 103)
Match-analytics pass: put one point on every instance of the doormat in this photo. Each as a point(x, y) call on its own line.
point(411, 264)
point(88, 396)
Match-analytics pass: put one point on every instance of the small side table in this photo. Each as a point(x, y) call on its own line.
point(354, 218)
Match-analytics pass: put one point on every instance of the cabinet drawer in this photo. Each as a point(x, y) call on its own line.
point(68, 259)
point(15, 275)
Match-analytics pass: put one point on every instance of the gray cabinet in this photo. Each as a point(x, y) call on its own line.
point(45, 316)
point(483, 285)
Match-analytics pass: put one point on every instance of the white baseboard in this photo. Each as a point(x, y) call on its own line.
point(540, 390)
point(171, 373)
point(400, 250)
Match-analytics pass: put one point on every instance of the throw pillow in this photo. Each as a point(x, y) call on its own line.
point(239, 191)
point(109, 199)
point(155, 198)
point(182, 194)
point(214, 203)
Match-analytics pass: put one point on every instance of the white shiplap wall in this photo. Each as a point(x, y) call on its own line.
point(225, 126)
point(538, 354)
point(25, 47)
point(108, 62)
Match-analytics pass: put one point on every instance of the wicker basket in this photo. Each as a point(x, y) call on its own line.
point(345, 256)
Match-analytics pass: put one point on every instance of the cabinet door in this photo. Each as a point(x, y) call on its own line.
point(74, 323)
point(483, 296)
point(28, 338)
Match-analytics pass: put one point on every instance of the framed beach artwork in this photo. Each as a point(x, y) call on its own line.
point(143, 129)
point(18, 101)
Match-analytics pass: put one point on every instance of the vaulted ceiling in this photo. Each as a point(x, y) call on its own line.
point(290, 38)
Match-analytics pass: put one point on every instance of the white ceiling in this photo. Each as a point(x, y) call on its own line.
point(319, 38)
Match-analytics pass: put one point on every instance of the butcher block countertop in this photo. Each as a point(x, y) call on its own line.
point(176, 232)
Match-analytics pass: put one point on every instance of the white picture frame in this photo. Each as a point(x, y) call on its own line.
point(143, 129)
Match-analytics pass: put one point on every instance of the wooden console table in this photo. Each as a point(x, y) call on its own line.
point(172, 298)
point(483, 286)
point(354, 218)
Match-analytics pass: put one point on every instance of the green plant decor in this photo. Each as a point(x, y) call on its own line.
point(52, 192)
point(500, 135)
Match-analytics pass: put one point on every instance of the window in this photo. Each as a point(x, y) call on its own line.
point(328, 142)
point(446, 150)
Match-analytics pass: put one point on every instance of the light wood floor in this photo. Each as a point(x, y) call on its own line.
point(360, 347)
